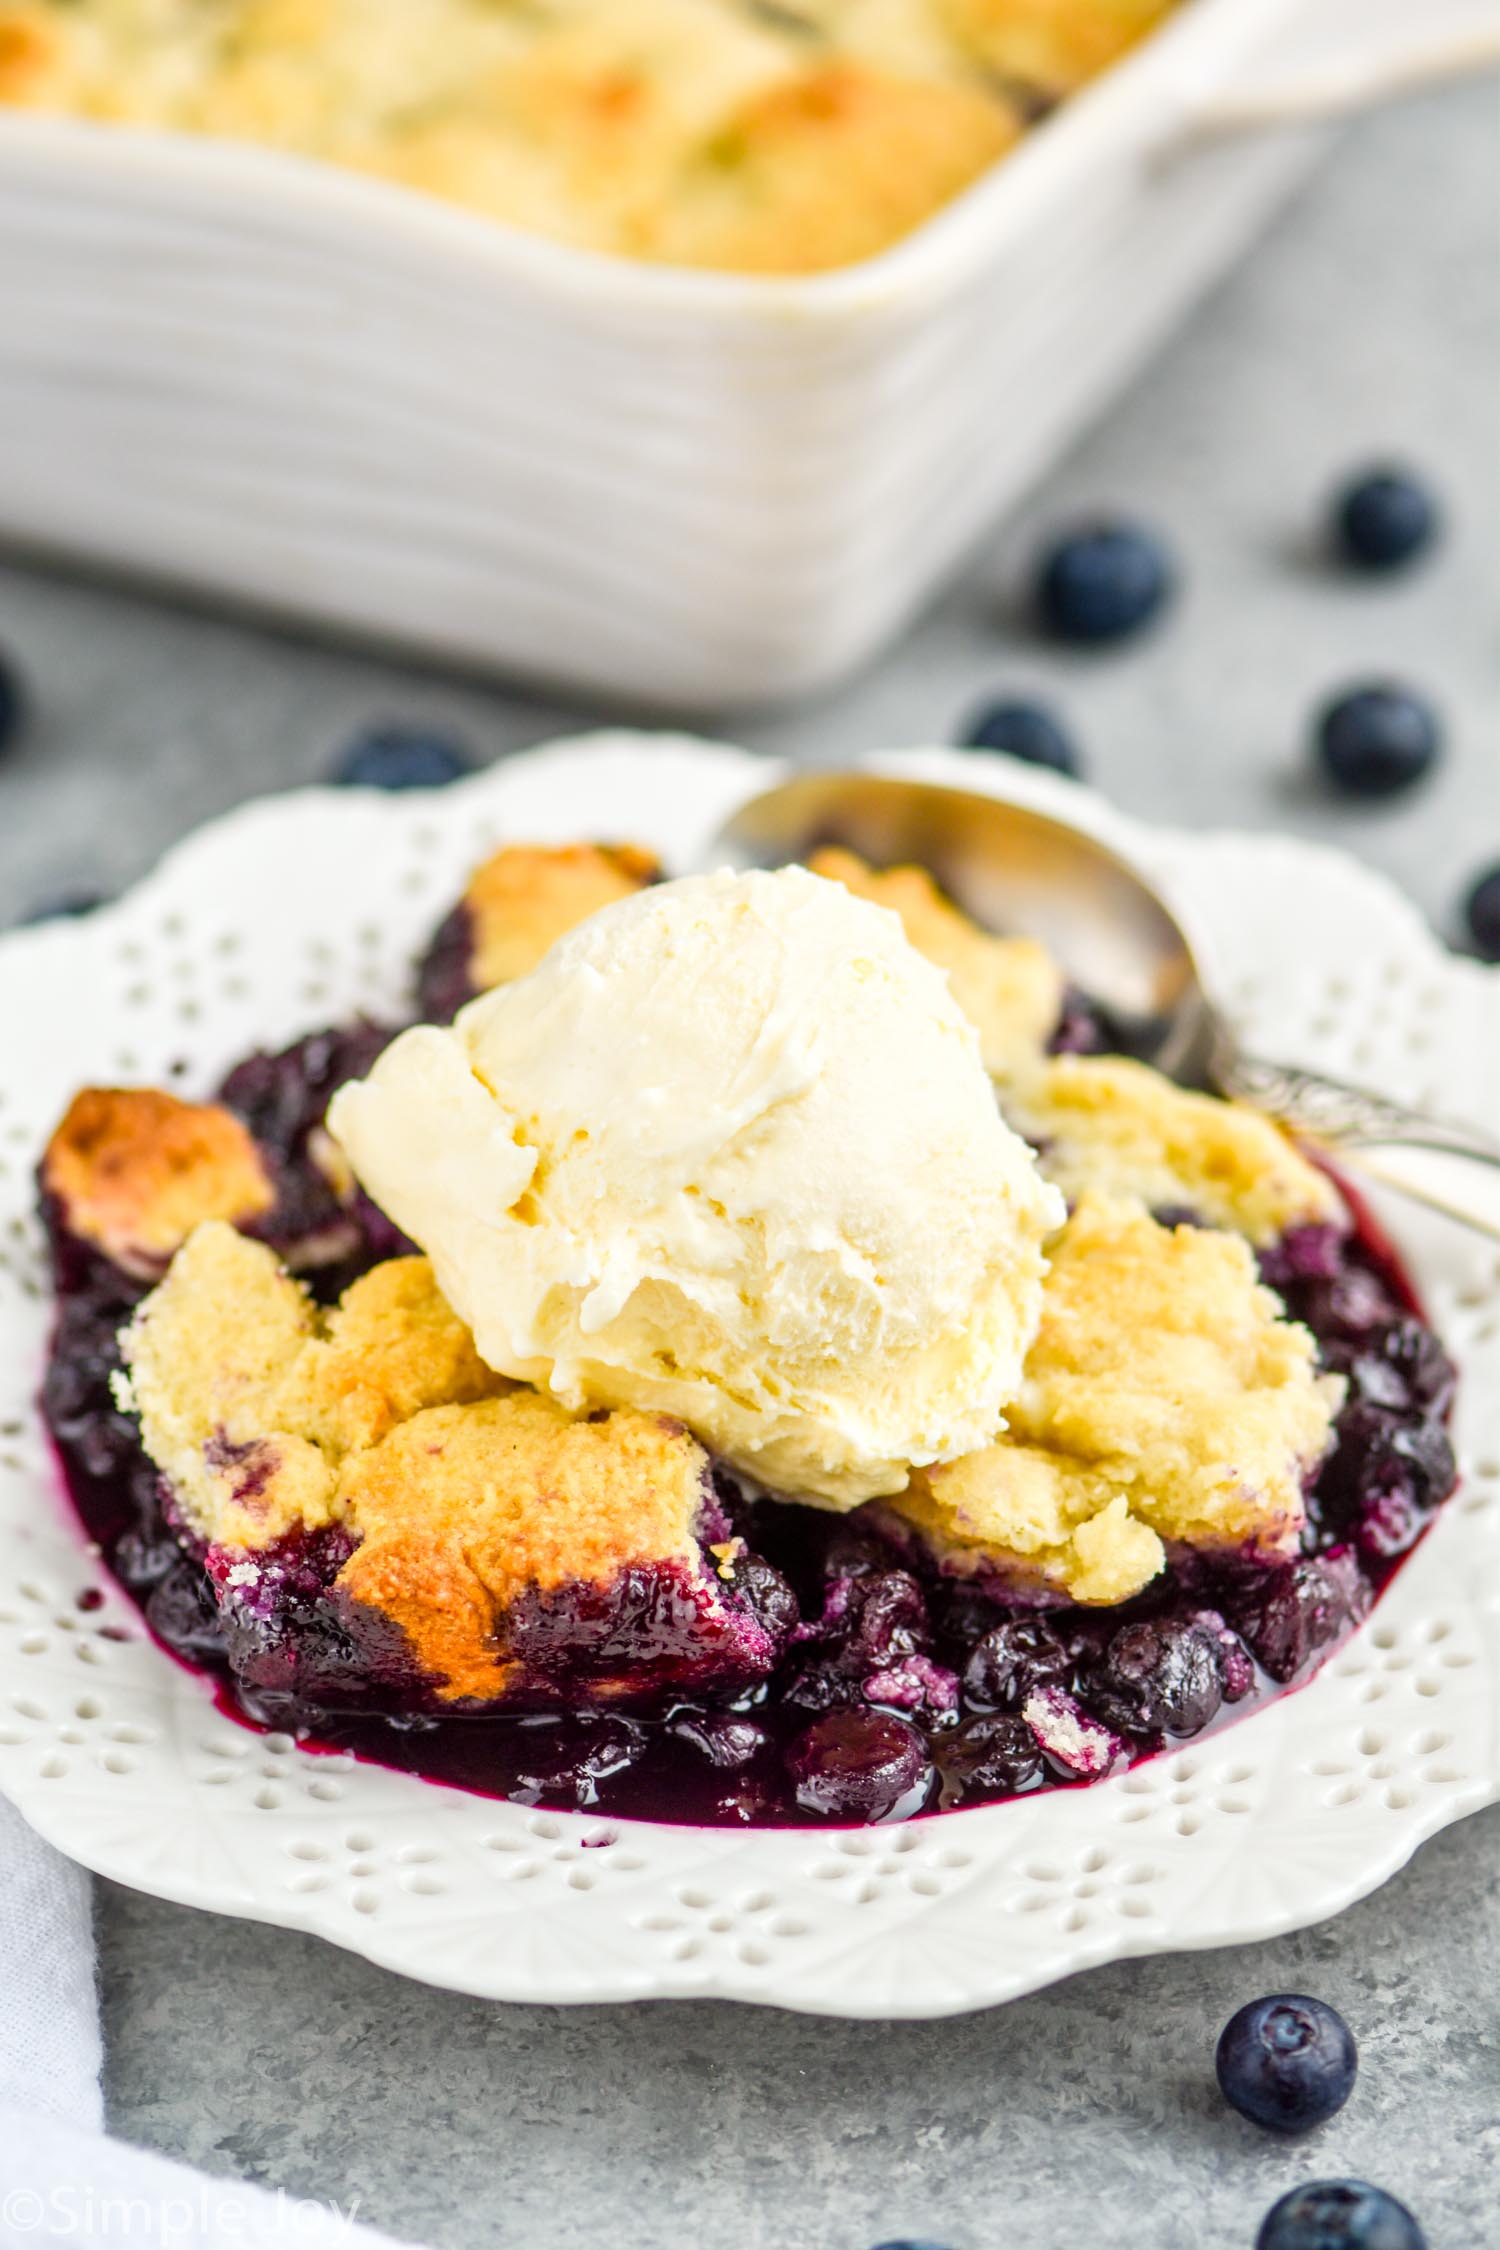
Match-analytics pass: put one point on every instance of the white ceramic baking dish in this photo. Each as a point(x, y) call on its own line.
point(258, 377)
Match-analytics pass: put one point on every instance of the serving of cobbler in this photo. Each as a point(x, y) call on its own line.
point(748, 1351)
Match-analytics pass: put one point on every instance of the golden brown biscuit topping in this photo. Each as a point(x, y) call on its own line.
point(1010, 989)
point(748, 135)
point(526, 896)
point(1102, 1122)
point(1164, 1401)
point(271, 1417)
point(135, 1170)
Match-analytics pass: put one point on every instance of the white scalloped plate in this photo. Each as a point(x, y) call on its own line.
point(304, 908)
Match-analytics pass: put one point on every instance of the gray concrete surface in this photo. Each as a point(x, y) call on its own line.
point(1083, 2119)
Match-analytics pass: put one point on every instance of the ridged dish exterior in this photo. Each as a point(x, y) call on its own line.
point(252, 376)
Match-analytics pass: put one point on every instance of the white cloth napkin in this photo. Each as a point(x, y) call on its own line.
point(61, 2179)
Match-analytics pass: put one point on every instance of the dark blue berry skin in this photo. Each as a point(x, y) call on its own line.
point(12, 704)
point(66, 906)
point(1378, 741)
point(1028, 731)
point(1482, 913)
point(1286, 2062)
point(1383, 519)
point(909, 2242)
point(397, 757)
point(1102, 582)
point(1339, 2215)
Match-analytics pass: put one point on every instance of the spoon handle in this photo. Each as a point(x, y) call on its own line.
point(1388, 1141)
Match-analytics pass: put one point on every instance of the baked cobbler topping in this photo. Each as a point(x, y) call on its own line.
point(134, 1170)
point(1105, 1122)
point(718, 133)
point(1011, 989)
point(1165, 1402)
point(274, 1420)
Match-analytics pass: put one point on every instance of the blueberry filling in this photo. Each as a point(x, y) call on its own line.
point(896, 1690)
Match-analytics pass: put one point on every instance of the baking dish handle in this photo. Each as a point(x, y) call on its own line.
point(1345, 56)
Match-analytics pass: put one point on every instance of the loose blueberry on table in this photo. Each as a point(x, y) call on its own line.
point(1378, 741)
point(1339, 2215)
point(1482, 913)
point(1027, 731)
point(12, 703)
point(764, 1662)
point(1383, 518)
point(1102, 582)
point(1287, 2062)
point(402, 757)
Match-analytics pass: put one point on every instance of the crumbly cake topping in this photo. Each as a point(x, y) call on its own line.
point(134, 1170)
point(1164, 1402)
point(1010, 988)
point(1121, 1128)
point(526, 896)
point(270, 1416)
point(720, 133)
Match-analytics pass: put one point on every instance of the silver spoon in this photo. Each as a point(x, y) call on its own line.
point(1017, 870)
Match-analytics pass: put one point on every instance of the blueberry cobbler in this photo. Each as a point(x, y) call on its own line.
point(749, 1352)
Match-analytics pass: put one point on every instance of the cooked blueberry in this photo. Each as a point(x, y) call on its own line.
point(567, 1758)
point(1159, 1678)
point(1082, 1027)
point(1102, 581)
point(1012, 1659)
point(1389, 1524)
point(1379, 1452)
point(62, 906)
point(720, 1737)
point(401, 757)
point(1378, 740)
point(182, 1613)
point(1339, 2215)
point(1286, 2062)
point(1310, 1253)
point(766, 1594)
point(1482, 913)
point(1292, 1610)
point(1028, 731)
point(12, 703)
point(993, 1755)
point(1382, 518)
point(859, 1765)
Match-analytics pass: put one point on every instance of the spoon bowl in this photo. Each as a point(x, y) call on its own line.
point(1024, 874)
point(1014, 871)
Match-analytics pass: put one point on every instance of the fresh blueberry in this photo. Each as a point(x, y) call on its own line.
point(1286, 2062)
point(859, 1765)
point(12, 703)
point(1482, 913)
point(401, 757)
point(1028, 731)
point(63, 906)
point(1376, 741)
point(1102, 581)
point(1339, 2215)
point(1383, 518)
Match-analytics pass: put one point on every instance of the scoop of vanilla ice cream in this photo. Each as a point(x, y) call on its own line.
point(729, 1153)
